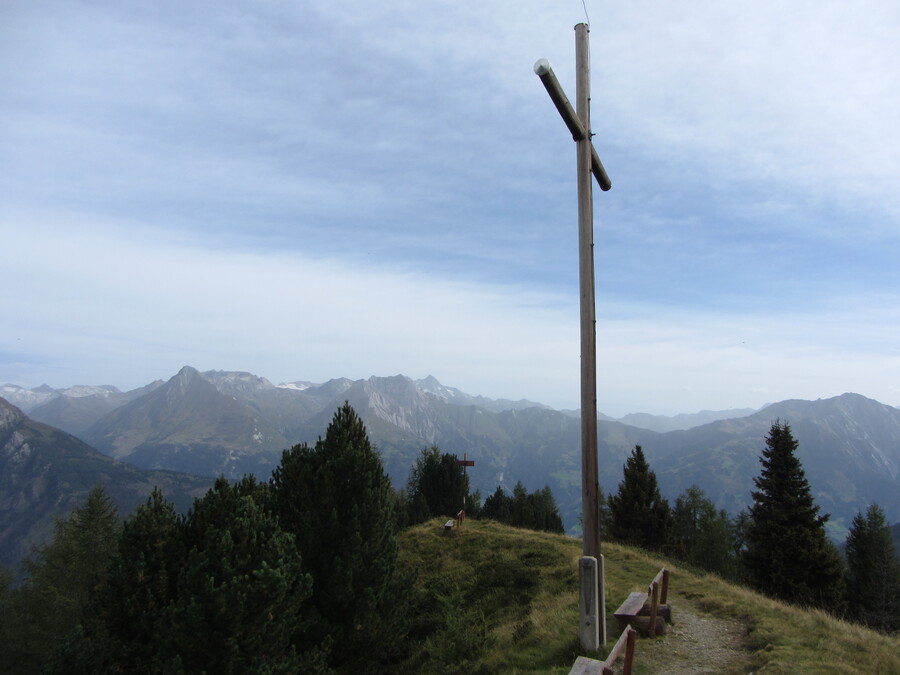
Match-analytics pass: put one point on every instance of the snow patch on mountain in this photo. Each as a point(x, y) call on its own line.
point(82, 390)
point(297, 386)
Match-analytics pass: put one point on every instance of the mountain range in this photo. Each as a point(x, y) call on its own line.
point(231, 423)
point(45, 472)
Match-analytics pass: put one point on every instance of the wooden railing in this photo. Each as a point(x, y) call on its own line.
point(585, 666)
point(658, 596)
point(641, 610)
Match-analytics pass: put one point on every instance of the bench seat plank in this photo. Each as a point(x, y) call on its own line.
point(632, 606)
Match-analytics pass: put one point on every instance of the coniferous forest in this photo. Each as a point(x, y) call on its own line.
point(302, 573)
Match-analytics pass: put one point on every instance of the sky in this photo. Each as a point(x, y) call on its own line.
point(319, 189)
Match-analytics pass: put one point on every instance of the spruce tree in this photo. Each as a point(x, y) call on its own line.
point(788, 554)
point(873, 572)
point(337, 501)
point(638, 515)
point(497, 506)
point(546, 512)
point(521, 509)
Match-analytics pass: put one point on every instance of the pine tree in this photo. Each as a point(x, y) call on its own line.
point(873, 574)
point(337, 501)
point(788, 555)
point(638, 515)
point(241, 591)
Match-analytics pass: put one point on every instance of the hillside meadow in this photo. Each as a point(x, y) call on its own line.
point(489, 598)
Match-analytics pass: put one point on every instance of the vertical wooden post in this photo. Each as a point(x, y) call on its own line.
point(629, 651)
point(579, 123)
point(589, 469)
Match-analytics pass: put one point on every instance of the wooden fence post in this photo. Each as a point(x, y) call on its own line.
point(629, 652)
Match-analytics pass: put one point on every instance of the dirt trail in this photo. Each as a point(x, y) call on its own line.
point(695, 643)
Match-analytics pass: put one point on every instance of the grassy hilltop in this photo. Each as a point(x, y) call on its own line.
point(490, 598)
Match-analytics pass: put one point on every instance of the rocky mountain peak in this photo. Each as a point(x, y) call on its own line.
point(186, 373)
point(27, 399)
point(236, 382)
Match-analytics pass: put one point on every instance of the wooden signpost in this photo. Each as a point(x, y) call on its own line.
point(464, 463)
point(578, 120)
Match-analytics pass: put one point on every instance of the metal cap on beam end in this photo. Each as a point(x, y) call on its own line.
point(541, 67)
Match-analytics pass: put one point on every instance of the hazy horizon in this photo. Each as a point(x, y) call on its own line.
point(318, 190)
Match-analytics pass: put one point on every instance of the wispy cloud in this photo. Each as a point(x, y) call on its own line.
point(325, 189)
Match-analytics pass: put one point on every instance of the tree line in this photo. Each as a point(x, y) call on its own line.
point(778, 546)
point(297, 574)
point(302, 573)
point(439, 487)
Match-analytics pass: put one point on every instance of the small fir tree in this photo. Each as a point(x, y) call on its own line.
point(638, 515)
point(788, 554)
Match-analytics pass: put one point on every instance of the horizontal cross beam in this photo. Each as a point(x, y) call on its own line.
point(570, 117)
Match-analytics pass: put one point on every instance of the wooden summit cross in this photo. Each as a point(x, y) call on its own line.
point(592, 597)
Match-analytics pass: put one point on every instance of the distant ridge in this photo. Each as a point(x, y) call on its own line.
point(44, 472)
point(683, 421)
point(236, 422)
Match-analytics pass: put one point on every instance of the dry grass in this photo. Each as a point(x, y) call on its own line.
point(522, 586)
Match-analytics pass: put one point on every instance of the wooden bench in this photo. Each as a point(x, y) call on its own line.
point(647, 612)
